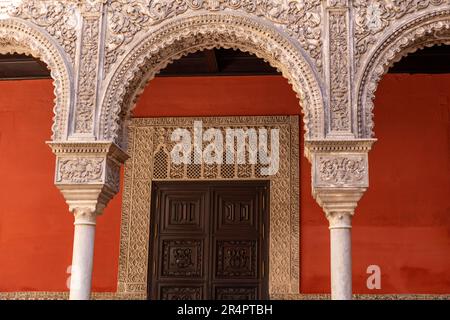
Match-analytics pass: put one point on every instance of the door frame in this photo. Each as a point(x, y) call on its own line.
point(147, 137)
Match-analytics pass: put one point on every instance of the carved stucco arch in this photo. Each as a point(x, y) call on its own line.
point(182, 36)
point(18, 36)
point(424, 31)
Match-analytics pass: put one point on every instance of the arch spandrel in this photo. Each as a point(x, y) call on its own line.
point(155, 50)
point(432, 28)
point(127, 19)
point(18, 36)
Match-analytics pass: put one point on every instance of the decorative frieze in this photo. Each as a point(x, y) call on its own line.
point(80, 170)
point(341, 170)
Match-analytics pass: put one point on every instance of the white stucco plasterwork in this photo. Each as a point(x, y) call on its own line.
point(102, 54)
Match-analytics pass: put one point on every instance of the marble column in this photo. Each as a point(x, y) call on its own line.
point(83, 254)
point(341, 255)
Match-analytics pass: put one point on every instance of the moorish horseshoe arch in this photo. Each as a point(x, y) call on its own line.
point(425, 31)
point(182, 36)
point(18, 37)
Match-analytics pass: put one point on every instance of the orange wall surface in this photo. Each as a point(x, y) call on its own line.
point(402, 223)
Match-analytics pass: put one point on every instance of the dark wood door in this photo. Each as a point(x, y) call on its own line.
point(209, 240)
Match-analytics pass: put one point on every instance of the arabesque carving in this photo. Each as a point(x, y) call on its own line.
point(207, 31)
point(56, 17)
point(301, 19)
point(102, 54)
point(373, 17)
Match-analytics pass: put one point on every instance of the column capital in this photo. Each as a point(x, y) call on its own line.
point(85, 216)
point(88, 175)
point(339, 204)
point(340, 176)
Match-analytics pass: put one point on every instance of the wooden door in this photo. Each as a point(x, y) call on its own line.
point(209, 240)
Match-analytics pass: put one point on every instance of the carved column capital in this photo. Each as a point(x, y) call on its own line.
point(88, 175)
point(339, 204)
point(340, 176)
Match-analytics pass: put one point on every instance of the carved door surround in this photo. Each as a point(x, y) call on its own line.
point(149, 147)
point(209, 240)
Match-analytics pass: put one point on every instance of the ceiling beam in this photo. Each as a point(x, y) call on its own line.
point(211, 61)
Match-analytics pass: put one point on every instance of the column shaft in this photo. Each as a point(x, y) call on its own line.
point(341, 263)
point(82, 259)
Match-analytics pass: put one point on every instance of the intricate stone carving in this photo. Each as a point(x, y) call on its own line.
point(300, 18)
point(87, 174)
point(80, 170)
point(341, 170)
point(373, 17)
point(339, 72)
point(427, 30)
point(342, 165)
point(18, 37)
point(56, 17)
point(87, 86)
point(197, 33)
point(148, 137)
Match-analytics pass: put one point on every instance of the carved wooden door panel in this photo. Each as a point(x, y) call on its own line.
point(209, 241)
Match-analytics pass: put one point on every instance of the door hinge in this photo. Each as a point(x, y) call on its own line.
point(156, 231)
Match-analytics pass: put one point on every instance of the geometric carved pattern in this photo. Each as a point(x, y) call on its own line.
point(146, 140)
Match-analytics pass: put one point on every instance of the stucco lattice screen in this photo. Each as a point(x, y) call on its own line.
point(149, 150)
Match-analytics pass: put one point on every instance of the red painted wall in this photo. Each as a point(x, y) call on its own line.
point(406, 233)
